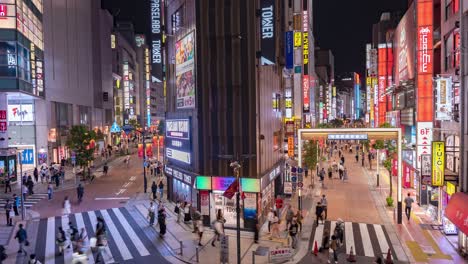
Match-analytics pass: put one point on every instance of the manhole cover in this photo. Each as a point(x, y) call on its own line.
point(261, 251)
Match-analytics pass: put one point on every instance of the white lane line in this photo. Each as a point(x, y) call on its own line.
point(79, 225)
point(67, 252)
point(381, 238)
point(366, 242)
point(49, 257)
point(126, 255)
point(131, 234)
point(111, 198)
point(349, 237)
point(93, 220)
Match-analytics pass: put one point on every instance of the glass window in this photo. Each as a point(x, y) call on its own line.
point(7, 71)
point(7, 47)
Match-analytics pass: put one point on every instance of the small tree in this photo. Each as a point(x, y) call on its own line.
point(79, 139)
point(336, 123)
point(310, 156)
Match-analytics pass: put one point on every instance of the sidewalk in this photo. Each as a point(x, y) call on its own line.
point(177, 232)
point(421, 242)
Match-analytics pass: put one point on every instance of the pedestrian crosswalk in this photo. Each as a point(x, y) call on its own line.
point(370, 240)
point(28, 203)
point(127, 241)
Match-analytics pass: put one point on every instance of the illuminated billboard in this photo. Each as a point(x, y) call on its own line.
point(185, 71)
point(156, 40)
point(438, 163)
point(267, 33)
point(404, 41)
point(178, 140)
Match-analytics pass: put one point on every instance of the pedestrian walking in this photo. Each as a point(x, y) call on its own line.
point(256, 229)
point(7, 182)
point(30, 185)
point(177, 211)
point(322, 176)
point(293, 230)
point(187, 216)
point(319, 212)
point(22, 237)
point(57, 179)
point(408, 204)
point(162, 221)
point(325, 240)
point(357, 157)
point(16, 203)
point(306, 171)
point(275, 226)
point(218, 226)
point(105, 169)
point(362, 158)
point(369, 156)
point(334, 248)
point(339, 230)
point(127, 160)
point(82, 245)
point(61, 240)
point(324, 203)
point(299, 218)
point(66, 206)
point(50, 191)
point(73, 233)
point(345, 174)
point(161, 189)
point(36, 175)
point(100, 227)
point(330, 172)
point(340, 171)
point(195, 217)
point(151, 213)
point(9, 213)
point(80, 192)
point(33, 259)
point(270, 219)
point(154, 189)
point(25, 192)
point(201, 228)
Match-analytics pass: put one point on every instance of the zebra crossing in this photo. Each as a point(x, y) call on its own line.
point(370, 240)
point(30, 201)
point(127, 240)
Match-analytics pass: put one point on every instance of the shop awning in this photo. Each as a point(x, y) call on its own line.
point(457, 211)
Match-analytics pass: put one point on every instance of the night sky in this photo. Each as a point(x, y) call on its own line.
point(344, 26)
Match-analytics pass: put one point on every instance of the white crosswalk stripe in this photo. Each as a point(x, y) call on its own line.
point(368, 240)
point(28, 203)
point(126, 240)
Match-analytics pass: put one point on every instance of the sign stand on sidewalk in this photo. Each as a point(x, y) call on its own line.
point(224, 256)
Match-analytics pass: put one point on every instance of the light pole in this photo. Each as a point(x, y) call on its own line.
point(20, 160)
point(236, 166)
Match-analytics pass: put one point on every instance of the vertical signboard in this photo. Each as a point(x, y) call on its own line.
point(444, 99)
point(185, 71)
point(291, 146)
point(305, 96)
point(425, 60)
point(156, 41)
point(178, 140)
point(267, 31)
point(147, 88)
point(438, 163)
point(289, 49)
point(305, 54)
point(423, 139)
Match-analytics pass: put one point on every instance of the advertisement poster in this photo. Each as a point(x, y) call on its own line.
point(204, 202)
point(185, 71)
point(250, 205)
point(178, 137)
point(444, 99)
point(2, 166)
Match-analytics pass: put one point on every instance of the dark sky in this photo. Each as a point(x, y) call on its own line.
point(344, 26)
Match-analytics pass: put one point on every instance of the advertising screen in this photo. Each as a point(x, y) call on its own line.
point(405, 37)
point(185, 71)
point(178, 143)
point(156, 40)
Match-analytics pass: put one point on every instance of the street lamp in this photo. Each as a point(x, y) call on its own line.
point(20, 159)
point(235, 165)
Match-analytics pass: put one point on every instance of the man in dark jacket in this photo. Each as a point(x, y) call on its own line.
point(22, 237)
point(319, 212)
point(80, 192)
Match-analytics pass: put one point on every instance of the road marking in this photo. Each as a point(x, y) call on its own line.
point(67, 252)
point(50, 242)
point(349, 237)
point(131, 234)
point(79, 226)
point(381, 238)
point(133, 178)
point(127, 184)
point(120, 191)
point(366, 242)
point(123, 249)
point(93, 220)
point(111, 198)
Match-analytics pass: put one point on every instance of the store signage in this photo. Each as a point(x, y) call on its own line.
point(406, 175)
point(450, 188)
point(178, 140)
point(203, 183)
point(250, 185)
point(407, 116)
point(289, 49)
point(444, 99)
point(289, 128)
point(305, 94)
point(185, 71)
point(287, 188)
point(405, 36)
point(425, 60)
point(426, 165)
point(20, 113)
point(423, 140)
point(438, 163)
point(347, 137)
point(3, 121)
point(221, 183)
point(148, 88)
point(27, 156)
point(156, 41)
point(204, 202)
point(267, 29)
point(291, 146)
point(297, 39)
point(281, 254)
point(457, 212)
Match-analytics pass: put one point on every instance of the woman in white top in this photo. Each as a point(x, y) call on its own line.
point(151, 213)
point(275, 226)
point(270, 218)
point(66, 206)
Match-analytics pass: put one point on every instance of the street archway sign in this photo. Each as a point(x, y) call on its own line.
point(357, 134)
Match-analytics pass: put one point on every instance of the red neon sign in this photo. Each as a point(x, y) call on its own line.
point(305, 92)
point(3, 11)
point(425, 60)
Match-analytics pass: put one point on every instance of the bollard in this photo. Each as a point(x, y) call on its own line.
point(181, 248)
point(196, 252)
point(253, 257)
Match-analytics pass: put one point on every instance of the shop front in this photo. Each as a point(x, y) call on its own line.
point(8, 162)
point(179, 185)
point(457, 213)
point(211, 191)
point(271, 187)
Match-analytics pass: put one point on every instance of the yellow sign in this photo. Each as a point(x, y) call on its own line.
point(438, 163)
point(334, 91)
point(297, 39)
point(290, 146)
point(368, 81)
point(451, 189)
point(305, 49)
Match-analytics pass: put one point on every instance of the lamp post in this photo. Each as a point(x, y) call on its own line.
point(236, 166)
point(20, 159)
